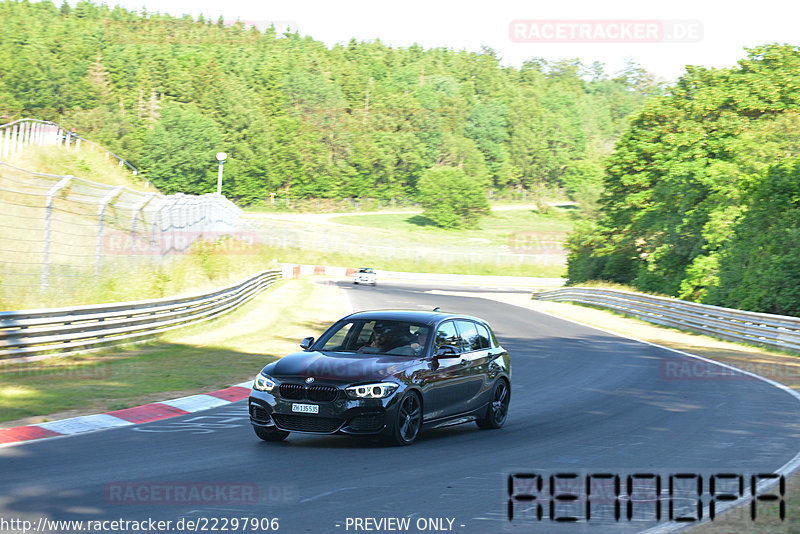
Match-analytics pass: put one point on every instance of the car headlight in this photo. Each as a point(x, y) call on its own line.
point(379, 390)
point(264, 383)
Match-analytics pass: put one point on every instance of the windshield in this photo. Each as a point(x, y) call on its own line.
point(401, 338)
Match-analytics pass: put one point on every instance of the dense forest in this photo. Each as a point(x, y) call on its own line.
point(702, 193)
point(300, 119)
point(699, 183)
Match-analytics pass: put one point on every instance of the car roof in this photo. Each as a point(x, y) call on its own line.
point(416, 316)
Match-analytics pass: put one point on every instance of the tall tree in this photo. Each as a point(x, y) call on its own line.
point(178, 154)
point(681, 175)
point(451, 198)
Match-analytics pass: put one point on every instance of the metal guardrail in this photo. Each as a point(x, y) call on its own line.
point(79, 328)
point(778, 331)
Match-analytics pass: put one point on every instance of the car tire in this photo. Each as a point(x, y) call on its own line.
point(270, 434)
point(407, 420)
point(497, 410)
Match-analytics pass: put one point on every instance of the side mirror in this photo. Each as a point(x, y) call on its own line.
point(306, 342)
point(446, 351)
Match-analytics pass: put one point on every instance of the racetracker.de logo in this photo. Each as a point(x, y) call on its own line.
point(691, 369)
point(536, 243)
point(180, 242)
point(181, 493)
point(605, 31)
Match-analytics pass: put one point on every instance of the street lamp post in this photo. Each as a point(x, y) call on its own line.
point(221, 156)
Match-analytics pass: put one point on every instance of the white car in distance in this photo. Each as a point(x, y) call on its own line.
point(365, 275)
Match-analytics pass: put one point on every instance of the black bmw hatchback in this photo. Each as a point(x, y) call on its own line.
point(387, 373)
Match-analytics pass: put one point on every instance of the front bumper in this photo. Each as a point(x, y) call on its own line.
point(342, 415)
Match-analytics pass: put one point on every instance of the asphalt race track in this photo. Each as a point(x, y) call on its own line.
point(583, 401)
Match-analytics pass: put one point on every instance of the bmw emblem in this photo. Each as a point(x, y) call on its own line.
point(309, 379)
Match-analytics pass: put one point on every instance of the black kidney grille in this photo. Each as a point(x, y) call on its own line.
point(293, 391)
point(259, 413)
point(322, 393)
point(307, 423)
point(312, 393)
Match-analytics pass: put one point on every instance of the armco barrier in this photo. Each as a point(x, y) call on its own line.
point(67, 330)
point(759, 328)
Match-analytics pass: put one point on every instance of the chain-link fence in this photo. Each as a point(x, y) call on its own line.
point(57, 229)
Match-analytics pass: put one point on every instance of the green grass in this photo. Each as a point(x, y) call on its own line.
point(115, 381)
point(330, 205)
point(204, 268)
point(515, 228)
point(346, 205)
point(194, 273)
point(413, 244)
point(196, 359)
point(88, 163)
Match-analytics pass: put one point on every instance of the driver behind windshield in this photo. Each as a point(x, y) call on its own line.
point(384, 339)
point(397, 338)
point(419, 340)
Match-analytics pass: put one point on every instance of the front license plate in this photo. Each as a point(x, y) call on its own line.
point(305, 408)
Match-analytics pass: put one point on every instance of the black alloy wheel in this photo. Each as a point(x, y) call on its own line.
point(497, 411)
point(409, 420)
